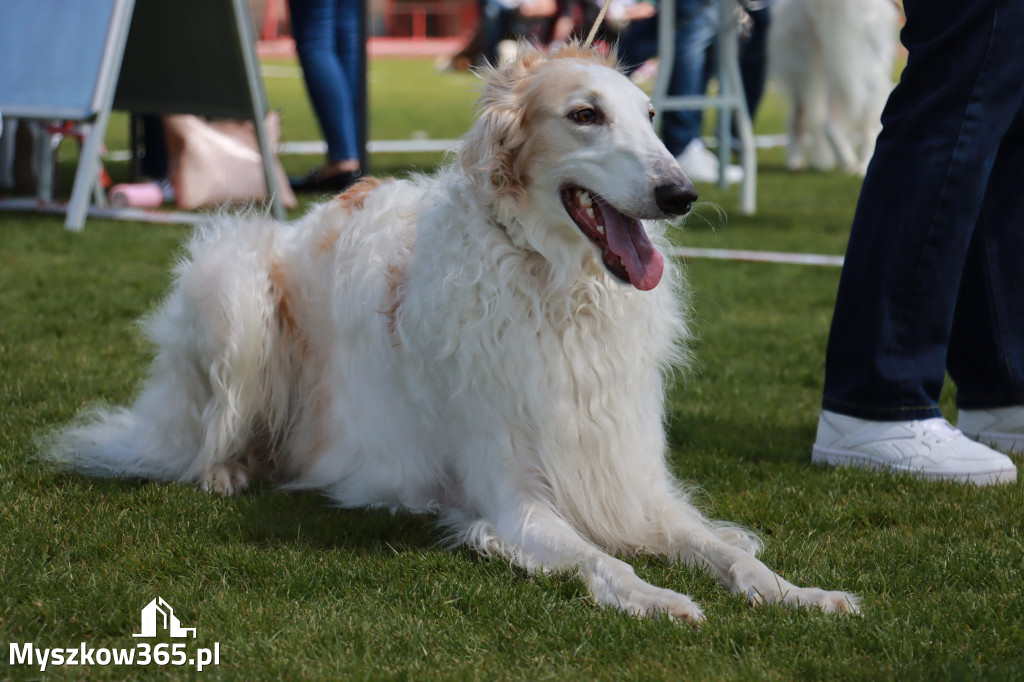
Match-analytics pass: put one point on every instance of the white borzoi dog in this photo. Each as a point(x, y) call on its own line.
point(834, 60)
point(489, 343)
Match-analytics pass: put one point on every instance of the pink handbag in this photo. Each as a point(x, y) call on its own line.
point(216, 163)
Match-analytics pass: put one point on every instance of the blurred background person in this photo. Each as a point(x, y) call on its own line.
point(697, 23)
point(327, 40)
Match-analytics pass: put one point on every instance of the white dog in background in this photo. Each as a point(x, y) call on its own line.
point(834, 60)
point(489, 343)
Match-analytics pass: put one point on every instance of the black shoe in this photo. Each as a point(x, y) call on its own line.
point(315, 182)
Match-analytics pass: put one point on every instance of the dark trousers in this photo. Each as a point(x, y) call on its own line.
point(934, 273)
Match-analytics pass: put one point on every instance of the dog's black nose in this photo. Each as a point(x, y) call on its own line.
point(675, 198)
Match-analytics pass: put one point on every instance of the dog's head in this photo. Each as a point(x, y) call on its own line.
point(565, 146)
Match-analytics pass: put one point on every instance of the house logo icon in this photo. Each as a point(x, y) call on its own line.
point(159, 613)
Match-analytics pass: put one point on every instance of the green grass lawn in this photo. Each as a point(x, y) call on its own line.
point(291, 588)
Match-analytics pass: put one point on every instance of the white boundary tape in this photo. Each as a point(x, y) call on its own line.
point(758, 256)
point(142, 215)
point(318, 147)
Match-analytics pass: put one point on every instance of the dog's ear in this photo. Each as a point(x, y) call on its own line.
point(490, 150)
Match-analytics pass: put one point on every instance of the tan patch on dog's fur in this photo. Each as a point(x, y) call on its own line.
point(354, 197)
point(351, 200)
point(285, 316)
point(396, 278)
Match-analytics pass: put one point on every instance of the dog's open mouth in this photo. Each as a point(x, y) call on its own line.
point(625, 249)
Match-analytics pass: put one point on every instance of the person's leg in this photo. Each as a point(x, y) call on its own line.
point(921, 198)
point(696, 28)
point(754, 56)
point(315, 33)
point(154, 142)
point(496, 23)
point(349, 48)
point(638, 43)
point(986, 347)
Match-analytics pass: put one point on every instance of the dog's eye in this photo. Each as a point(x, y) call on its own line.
point(651, 114)
point(584, 116)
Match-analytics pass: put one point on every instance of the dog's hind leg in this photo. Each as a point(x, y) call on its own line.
point(820, 153)
point(870, 125)
point(206, 388)
point(228, 302)
point(794, 148)
point(841, 144)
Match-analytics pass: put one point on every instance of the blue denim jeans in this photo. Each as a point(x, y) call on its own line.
point(327, 39)
point(496, 22)
point(696, 28)
point(934, 273)
point(754, 56)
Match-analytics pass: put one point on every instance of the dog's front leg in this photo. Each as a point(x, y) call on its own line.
point(742, 572)
point(538, 539)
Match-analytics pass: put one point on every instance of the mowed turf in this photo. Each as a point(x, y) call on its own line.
point(290, 588)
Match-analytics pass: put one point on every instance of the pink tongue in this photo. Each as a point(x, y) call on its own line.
point(628, 241)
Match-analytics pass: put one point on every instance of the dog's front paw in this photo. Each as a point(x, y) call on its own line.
point(620, 588)
point(812, 597)
point(829, 601)
point(765, 587)
point(649, 601)
point(225, 479)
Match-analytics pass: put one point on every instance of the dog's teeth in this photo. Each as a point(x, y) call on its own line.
point(590, 213)
point(584, 199)
point(600, 228)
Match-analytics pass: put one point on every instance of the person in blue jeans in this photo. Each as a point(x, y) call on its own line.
point(934, 271)
point(697, 24)
point(327, 39)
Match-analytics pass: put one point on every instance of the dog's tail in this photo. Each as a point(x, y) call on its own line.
point(119, 442)
point(215, 377)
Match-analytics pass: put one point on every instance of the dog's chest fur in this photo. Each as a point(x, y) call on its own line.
point(489, 340)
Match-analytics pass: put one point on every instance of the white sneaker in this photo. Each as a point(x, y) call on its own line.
point(931, 448)
point(1002, 428)
point(700, 165)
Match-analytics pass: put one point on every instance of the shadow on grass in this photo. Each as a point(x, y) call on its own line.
point(271, 517)
point(262, 515)
point(757, 441)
